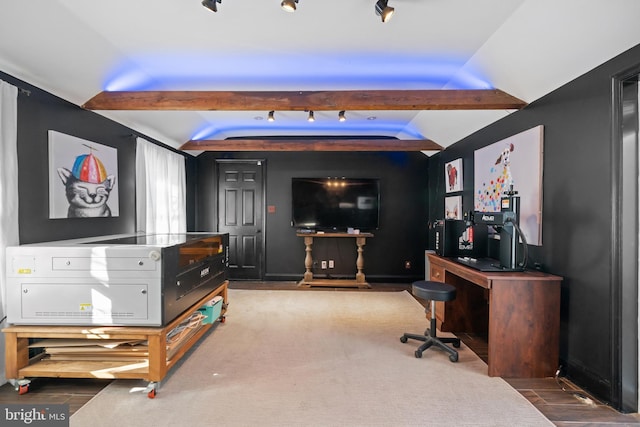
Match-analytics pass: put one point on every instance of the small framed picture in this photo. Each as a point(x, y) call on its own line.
point(453, 176)
point(453, 207)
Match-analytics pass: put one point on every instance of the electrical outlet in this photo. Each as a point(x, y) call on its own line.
point(324, 265)
point(331, 263)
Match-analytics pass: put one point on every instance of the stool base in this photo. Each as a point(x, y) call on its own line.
point(430, 339)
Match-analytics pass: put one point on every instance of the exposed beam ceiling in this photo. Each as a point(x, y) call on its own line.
point(480, 99)
point(388, 144)
point(361, 100)
point(182, 46)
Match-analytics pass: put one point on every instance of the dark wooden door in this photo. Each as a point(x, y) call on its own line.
point(241, 214)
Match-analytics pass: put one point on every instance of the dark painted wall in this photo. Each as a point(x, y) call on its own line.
point(577, 208)
point(39, 112)
point(402, 235)
point(577, 220)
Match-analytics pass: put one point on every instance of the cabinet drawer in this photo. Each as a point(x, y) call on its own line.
point(436, 273)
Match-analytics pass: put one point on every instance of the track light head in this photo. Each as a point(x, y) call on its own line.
point(311, 118)
point(384, 11)
point(341, 116)
point(289, 5)
point(212, 5)
point(271, 117)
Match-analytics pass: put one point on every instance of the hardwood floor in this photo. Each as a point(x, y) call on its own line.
point(563, 403)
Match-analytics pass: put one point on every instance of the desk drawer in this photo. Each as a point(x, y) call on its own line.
point(436, 273)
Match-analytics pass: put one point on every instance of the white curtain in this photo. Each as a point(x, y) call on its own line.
point(8, 194)
point(160, 189)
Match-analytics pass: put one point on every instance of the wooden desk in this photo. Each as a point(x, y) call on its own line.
point(520, 311)
point(308, 279)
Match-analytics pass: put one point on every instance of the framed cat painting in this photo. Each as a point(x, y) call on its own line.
point(82, 178)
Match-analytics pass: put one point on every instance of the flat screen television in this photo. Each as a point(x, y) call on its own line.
point(335, 204)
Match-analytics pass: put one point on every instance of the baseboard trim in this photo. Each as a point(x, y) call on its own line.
point(370, 278)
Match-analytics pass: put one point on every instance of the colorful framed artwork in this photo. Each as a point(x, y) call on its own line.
point(82, 178)
point(453, 207)
point(453, 176)
point(515, 161)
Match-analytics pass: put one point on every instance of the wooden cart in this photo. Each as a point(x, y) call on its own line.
point(153, 367)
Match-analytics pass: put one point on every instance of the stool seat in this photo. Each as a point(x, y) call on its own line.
point(433, 291)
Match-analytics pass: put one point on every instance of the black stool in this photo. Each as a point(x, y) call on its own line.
point(433, 291)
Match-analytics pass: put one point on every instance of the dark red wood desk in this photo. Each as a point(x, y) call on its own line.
point(520, 312)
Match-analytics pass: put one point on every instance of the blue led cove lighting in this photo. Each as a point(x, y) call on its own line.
point(210, 131)
point(289, 72)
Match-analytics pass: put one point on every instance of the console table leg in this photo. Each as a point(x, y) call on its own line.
point(360, 241)
point(308, 259)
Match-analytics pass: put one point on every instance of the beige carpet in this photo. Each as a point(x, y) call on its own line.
point(326, 358)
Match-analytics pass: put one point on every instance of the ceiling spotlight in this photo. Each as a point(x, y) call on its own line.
point(341, 116)
point(311, 118)
point(289, 5)
point(211, 4)
point(271, 118)
point(383, 10)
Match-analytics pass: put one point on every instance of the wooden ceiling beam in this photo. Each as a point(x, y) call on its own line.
point(312, 145)
point(354, 100)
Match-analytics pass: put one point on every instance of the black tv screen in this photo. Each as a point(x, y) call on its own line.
point(335, 204)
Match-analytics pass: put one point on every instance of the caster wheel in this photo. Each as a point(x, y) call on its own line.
point(418, 354)
point(152, 390)
point(223, 319)
point(23, 389)
point(403, 339)
point(453, 357)
point(456, 344)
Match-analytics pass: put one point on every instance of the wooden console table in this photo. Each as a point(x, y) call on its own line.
point(308, 279)
point(522, 317)
point(154, 367)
